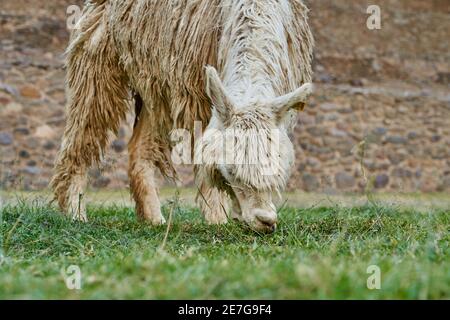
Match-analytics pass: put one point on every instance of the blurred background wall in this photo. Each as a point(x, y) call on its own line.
point(388, 87)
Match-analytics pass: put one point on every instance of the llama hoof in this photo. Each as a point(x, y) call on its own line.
point(155, 221)
point(216, 220)
point(160, 221)
point(79, 218)
point(79, 214)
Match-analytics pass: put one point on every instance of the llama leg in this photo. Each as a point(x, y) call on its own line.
point(211, 199)
point(75, 204)
point(97, 93)
point(213, 204)
point(142, 172)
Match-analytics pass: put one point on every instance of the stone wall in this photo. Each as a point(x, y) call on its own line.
point(381, 107)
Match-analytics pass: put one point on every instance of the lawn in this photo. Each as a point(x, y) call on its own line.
point(317, 252)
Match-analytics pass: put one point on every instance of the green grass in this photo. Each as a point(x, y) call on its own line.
point(316, 253)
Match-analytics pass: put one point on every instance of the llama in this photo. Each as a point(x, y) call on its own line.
point(230, 64)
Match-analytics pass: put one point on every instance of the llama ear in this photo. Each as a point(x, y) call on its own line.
point(216, 92)
point(294, 100)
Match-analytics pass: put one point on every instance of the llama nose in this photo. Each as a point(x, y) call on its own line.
point(268, 219)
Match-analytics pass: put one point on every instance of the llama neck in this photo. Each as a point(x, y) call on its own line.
point(254, 50)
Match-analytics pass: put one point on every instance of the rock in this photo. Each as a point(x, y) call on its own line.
point(8, 89)
point(49, 145)
point(396, 140)
point(307, 120)
point(436, 138)
point(338, 133)
point(413, 135)
point(402, 173)
point(396, 158)
point(356, 82)
point(6, 139)
point(376, 165)
point(403, 109)
point(318, 68)
point(313, 162)
point(344, 146)
point(31, 170)
point(49, 163)
point(325, 78)
point(4, 101)
point(319, 119)
point(32, 163)
point(310, 182)
point(119, 146)
point(376, 66)
point(344, 180)
point(332, 117)
point(445, 184)
point(380, 131)
point(95, 173)
point(381, 181)
point(13, 108)
point(316, 131)
point(101, 182)
point(22, 130)
point(328, 107)
point(41, 184)
point(44, 132)
point(24, 154)
point(345, 110)
point(443, 77)
point(57, 121)
point(418, 173)
point(440, 153)
point(428, 185)
point(123, 177)
point(30, 92)
point(32, 143)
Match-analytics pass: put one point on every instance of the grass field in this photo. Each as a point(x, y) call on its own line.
point(317, 252)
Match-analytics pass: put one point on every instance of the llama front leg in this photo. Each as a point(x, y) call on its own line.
point(96, 92)
point(69, 183)
point(76, 204)
point(145, 194)
point(142, 172)
point(213, 204)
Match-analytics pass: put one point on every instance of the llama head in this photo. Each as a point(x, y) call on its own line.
point(249, 148)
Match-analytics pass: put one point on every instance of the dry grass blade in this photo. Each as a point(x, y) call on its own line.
point(174, 204)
